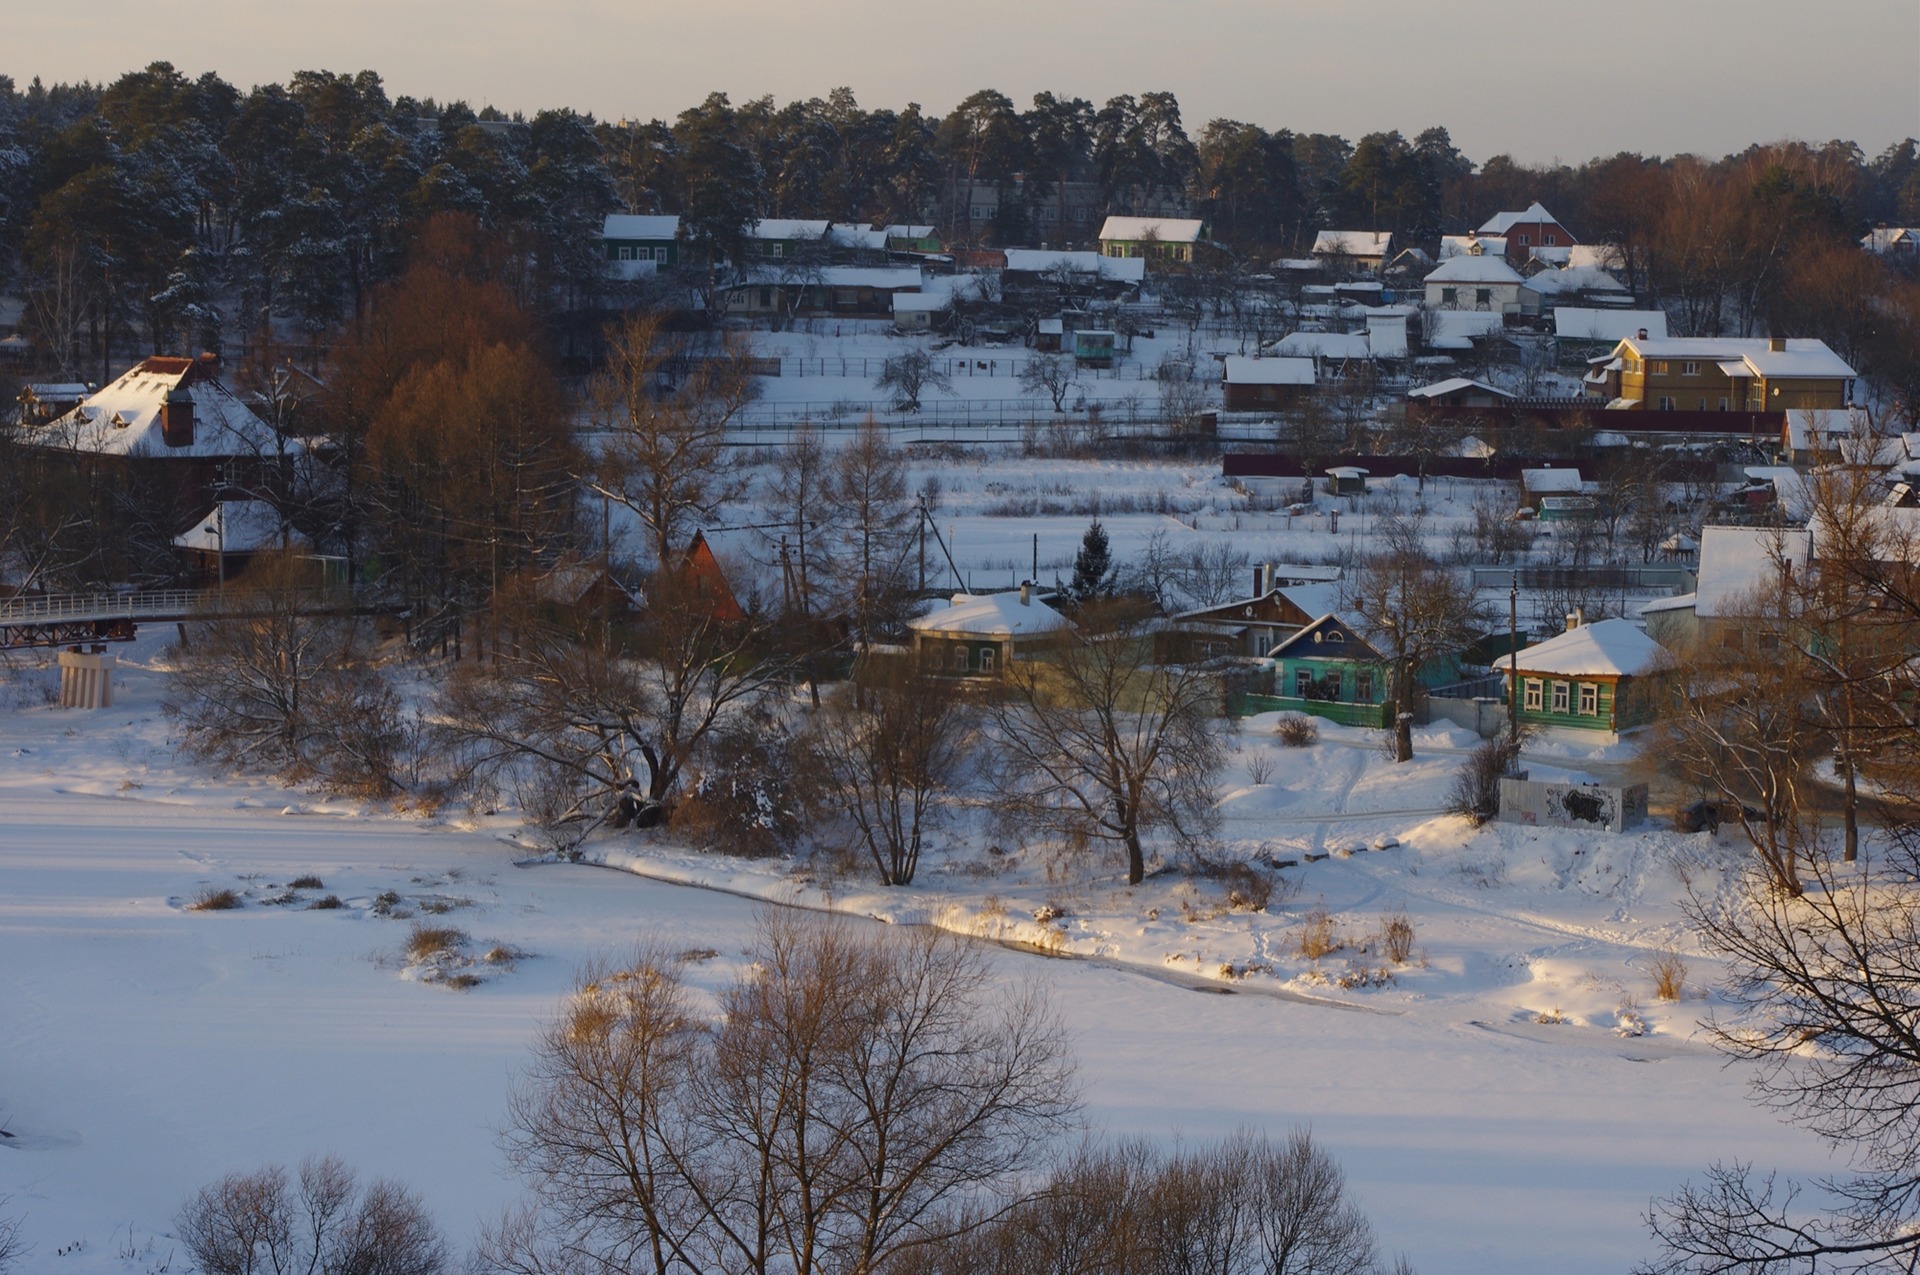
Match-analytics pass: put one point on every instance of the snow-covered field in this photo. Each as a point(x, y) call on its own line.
point(146, 1048)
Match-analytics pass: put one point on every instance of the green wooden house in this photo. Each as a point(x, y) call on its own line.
point(1329, 670)
point(788, 239)
point(629, 238)
point(1591, 678)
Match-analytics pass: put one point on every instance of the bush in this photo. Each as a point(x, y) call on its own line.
point(1669, 974)
point(325, 905)
point(429, 941)
point(1476, 786)
point(745, 801)
point(262, 1221)
point(1248, 889)
point(1318, 937)
point(1396, 937)
point(1259, 769)
point(306, 883)
point(1297, 730)
point(211, 900)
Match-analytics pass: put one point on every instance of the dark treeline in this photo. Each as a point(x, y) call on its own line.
point(178, 213)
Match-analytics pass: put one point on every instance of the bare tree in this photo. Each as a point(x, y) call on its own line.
point(867, 492)
point(322, 1223)
point(1825, 985)
point(862, 1095)
point(909, 375)
point(1416, 611)
point(13, 1246)
point(667, 409)
point(608, 732)
point(1051, 376)
point(1095, 741)
point(1212, 573)
point(886, 757)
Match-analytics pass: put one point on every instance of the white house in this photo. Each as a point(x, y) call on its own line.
point(1475, 283)
point(1366, 249)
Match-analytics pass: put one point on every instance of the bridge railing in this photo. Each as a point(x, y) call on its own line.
point(57, 608)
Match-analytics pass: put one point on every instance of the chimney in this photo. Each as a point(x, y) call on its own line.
point(1778, 344)
point(176, 419)
point(1573, 619)
point(1643, 334)
point(1026, 593)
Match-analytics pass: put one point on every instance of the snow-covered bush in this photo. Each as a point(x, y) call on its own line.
point(1297, 730)
point(1476, 786)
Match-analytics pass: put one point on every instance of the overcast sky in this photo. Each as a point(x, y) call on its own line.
point(1538, 79)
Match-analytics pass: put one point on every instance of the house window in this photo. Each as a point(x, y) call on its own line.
point(766, 298)
point(1363, 688)
point(1703, 404)
point(960, 658)
point(1079, 216)
point(1523, 241)
point(1533, 694)
point(1548, 239)
point(1449, 296)
point(1666, 404)
point(1589, 699)
point(1560, 697)
point(1483, 296)
point(986, 659)
point(1659, 367)
point(777, 251)
point(1724, 404)
point(1335, 635)
point(626, 253)
point(1302, 683)
point(1690, 368)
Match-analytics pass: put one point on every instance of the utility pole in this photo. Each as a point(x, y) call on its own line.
point(1513, 661)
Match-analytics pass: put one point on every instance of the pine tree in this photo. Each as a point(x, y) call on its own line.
point(1093, 569)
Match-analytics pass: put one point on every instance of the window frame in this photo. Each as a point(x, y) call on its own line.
point(1532, 697)
point(1562, 697)
point(1589, 699)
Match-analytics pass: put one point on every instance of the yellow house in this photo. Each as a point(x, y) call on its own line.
point(1722, 374)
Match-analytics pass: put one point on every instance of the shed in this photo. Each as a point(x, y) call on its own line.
point(1347, 480)
point(1093, 347)
point(1252, 384)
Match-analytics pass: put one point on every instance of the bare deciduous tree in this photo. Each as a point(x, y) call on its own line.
point(321, 1223)
point(1096, 741)
point(666, 408)
point(884, 759)
point(862, 1095)
point(1049, 376)
point(909, 375)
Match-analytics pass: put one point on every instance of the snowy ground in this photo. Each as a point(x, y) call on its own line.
point(148, 1048)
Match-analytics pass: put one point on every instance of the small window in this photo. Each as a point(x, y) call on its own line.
point(766, 298)
point(1690, 368)
point(1703, 404)
point(1335, 635)
point(1548, 239)
point(960, 658)
point(986, 659)
point(1667, 404)
point(1302, 683)
point(1589, 699)
point(626, 253)
point(1724, 404)
point(1533, 693)
point(1560, 697)
point(777, 251)
point(1483, 295)
point(1523, 241)
point(1660, 367)
point(1363, 688)
point(1448, 296)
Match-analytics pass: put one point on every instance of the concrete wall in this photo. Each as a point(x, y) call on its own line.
point(1544, 804)
point(1484, 717)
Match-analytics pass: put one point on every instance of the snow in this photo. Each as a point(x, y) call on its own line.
point(1268, 371)
point(1464, 246)
point(992, 615)
point(237, 526)
point(1803, 356)
point(1616, 647)
point(1041, 260)
point(1453, 384)
point(787, 228)
point(1550, 480)
point(1500, 223)
point(1457, 329)
point(1323, 345)
point(1164, 229)
point(1577, 279)
point(1465, 269)
point(1577, 323)
point(630, 226)
point(150, 1049)
point(123, 418)
point(1738, 562)
point(1352, 243)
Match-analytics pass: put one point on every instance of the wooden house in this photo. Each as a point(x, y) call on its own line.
point(637, 245)
point(978, 634)
point(1154, 238)
point(1256, 384)
point(1328, 669)
point(1594, 677)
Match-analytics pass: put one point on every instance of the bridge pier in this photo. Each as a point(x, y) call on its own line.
point(86, 678)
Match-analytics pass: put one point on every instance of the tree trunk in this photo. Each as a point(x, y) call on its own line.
point(1136, 861)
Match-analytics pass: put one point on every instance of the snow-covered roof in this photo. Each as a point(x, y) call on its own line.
point(1884, 239)
point(1456, 329)
point(1314, 599)
point(1605, 256)
point(1453, 384)
point(237, 526)
point(1163, 229)
point(1268, 371)
point(1324, 345)
point(124, 417)
point(1463, 269)
point(1353, 243)
point(889, 278)
point(1387, 333)
point(873, 238)
point(1575, 279)
point(1736, 563)
point(1041, 260)
point(1577, 323)
point(1803, 356)
point(633, 226)
point(1554, 256)
point(1614, 648)
point(921, 302)
point(1810, 428)
point(992, 615)
point(787, 228)
point(1555, 480)
point(1472, 246)
point(1501, 222)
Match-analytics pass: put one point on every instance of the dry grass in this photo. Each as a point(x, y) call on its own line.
point(1396, 937)
point(1297, 730)
point(1318, 937)
point(1260, 769)
point(306, 883)
point(211, 900)
point(1669, 974)
point(327, 904)
point(429, 941)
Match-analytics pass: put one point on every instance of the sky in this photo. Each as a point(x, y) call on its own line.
point(1536, 79)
